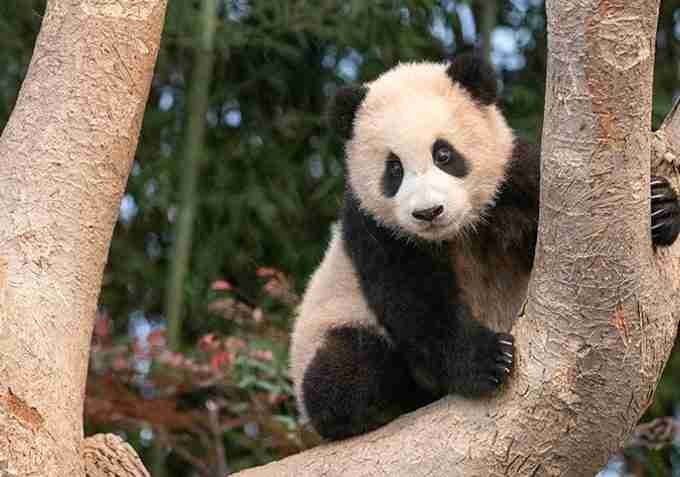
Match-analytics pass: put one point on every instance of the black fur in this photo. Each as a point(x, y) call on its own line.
point(665, 212)
point(356, 383)
point(510, 226)
point(455, 165)
point(343, 108)
point(412, 289)
point(392, 176)
point(476, 75)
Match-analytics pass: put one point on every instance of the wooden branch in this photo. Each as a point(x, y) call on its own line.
point(107, 455)
point(597, 327)
point(65, 155)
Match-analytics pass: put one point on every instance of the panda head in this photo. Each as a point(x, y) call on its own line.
point(426, 147)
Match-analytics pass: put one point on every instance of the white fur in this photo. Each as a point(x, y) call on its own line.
point(405, 111)
point(432, 188)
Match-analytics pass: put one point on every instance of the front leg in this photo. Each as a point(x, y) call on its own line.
point(474, 361)
point(412, 290)
point(665, 212)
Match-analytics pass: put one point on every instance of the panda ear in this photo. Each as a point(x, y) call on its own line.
point(476, 76)
point(343, 109)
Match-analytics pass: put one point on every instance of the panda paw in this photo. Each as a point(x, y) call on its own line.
point(504, 357)
point(492, 365)
point(665, 212)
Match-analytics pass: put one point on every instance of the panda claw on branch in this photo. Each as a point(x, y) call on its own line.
point(665, 212)
point(506, 351)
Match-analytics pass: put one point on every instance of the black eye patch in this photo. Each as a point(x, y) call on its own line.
point(392, 176)
point(448, 159)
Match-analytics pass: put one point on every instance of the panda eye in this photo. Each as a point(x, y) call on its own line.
point(394, 167)
point(448, 159)
point(443, 155)
point(392, 176)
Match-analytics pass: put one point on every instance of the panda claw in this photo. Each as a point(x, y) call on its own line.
point(505, 342)
point(665, 212)
point(659, 212)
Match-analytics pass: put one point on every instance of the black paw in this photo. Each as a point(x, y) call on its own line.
point(492, 365)
point(504, 357)
point(665, 212)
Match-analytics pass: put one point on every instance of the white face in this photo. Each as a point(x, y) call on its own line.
point(431, 203)
point(426, 160)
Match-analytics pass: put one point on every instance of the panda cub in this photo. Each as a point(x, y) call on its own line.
point(429, 266)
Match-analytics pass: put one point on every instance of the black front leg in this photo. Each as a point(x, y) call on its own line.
point(411, 288)
point(471, 362)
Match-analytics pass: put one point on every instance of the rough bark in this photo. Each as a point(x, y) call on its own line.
point(107, 455)
point(600, 317)
point(66, 153)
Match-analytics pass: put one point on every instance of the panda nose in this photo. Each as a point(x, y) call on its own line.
point(428, 215)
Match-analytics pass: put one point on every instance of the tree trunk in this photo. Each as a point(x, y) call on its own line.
point(66, 153)
point(600, 319)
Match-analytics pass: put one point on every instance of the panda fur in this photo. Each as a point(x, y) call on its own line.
point(429, 266)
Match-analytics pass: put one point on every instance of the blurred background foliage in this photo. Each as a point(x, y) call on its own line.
point(268, 188)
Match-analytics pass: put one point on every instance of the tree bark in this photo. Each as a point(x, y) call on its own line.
point(66, 153)
point(600, 317)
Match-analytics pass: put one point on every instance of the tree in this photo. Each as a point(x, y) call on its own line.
point(599, 321)
point(66, 154)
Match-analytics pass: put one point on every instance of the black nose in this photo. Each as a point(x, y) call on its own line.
point(428, 215)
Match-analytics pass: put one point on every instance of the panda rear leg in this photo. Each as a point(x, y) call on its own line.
point(356, 383)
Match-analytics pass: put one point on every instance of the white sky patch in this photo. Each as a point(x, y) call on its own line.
point(505, 53)
point(231, 114)
point(405, 16)
point(440, 30)
point(166, 100)
point(467, 23)
point(237, 9)
point(128, 209)
point(348, 66)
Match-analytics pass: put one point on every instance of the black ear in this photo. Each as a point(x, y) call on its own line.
point(343, 108)
point(476, 75)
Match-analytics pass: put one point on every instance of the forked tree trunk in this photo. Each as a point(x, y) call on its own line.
point(601, 314)
point(65, 155)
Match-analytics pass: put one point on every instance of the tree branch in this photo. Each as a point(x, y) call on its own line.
point(596, 330)
point(107, 455)
point(65, 156)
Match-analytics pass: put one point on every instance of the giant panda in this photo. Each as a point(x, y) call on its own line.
point(430, 262)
